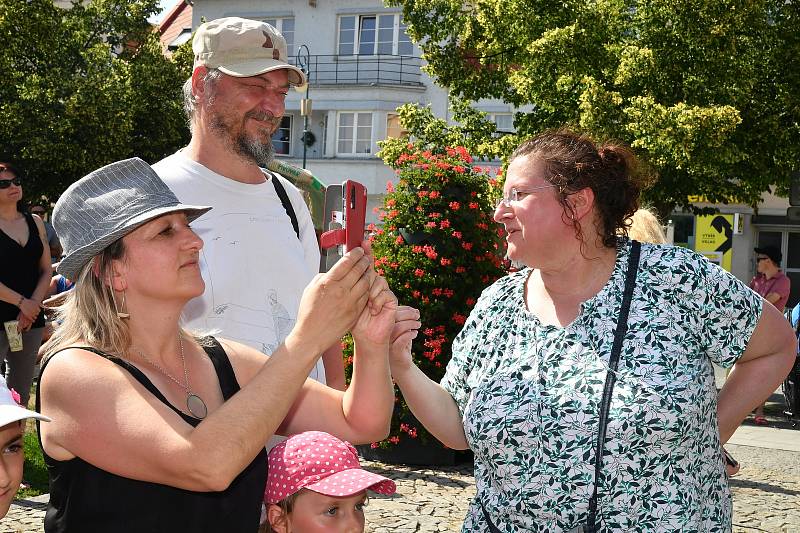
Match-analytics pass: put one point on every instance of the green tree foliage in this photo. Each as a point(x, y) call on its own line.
point(83, 87)
point(437, 248)
point(707, 91)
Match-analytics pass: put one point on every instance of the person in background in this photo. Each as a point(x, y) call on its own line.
point(533, 363)
point(645, 227)
point(12, 453)
point(774, 286)
point(158, 429)
point(52, 236)
point(261, 248)
point(315, 484)
point(25, 271)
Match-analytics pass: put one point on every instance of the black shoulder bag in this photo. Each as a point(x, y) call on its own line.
point(619, 335)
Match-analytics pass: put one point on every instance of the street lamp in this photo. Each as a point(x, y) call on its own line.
point(303, 63)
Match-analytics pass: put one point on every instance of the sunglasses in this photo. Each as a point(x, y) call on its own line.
point(5, 184)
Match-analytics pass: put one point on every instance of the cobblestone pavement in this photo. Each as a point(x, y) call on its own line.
point(766, 497)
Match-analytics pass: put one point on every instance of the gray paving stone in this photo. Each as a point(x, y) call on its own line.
point(766, 497)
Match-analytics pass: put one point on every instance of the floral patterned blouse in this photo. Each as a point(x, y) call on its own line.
point(529, 394)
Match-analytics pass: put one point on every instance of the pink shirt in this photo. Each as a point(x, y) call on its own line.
point(779, 283)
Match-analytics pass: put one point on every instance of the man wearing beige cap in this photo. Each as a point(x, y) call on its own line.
point(260, 247)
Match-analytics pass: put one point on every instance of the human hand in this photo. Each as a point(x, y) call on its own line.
point(30, 308)
point(405, 330)
point(376, 321)
point(332, 302)
point(23, 323)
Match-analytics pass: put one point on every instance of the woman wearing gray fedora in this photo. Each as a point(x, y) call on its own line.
point(155, 429)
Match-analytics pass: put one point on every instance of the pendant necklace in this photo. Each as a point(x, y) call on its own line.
point(194, 403)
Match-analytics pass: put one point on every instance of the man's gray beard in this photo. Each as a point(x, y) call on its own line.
point(247, 148)
point(260, 153)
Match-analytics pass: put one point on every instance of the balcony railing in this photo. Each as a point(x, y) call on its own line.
point(363, 70)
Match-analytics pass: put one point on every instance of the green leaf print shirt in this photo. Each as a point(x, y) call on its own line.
point(529, 395)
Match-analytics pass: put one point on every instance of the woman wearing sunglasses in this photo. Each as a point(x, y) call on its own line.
point(24, 280)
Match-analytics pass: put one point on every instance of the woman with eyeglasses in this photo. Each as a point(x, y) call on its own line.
point(584, 382)
point(24, 281)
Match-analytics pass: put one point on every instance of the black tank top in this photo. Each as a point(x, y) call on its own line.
point(20, 269)
point(86, 499)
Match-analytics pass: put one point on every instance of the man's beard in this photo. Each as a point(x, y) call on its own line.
point(248, 147)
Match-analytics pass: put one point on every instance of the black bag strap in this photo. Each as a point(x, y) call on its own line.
point(611, 377)
point(287, 205)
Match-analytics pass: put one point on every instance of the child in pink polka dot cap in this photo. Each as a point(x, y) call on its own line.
point(315, 483)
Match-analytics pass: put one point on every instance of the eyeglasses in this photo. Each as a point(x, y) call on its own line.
point(759, 259)
point(39, 212)
point(515, 195)
point(5, 184)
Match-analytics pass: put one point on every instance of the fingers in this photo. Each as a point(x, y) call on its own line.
point(403, 327)
point(404, 340)
point(406, 312)
point(380, 296)
point(352, 260)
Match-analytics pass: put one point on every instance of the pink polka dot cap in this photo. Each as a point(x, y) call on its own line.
point(320, 462)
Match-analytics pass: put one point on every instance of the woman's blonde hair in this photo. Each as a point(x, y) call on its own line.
point(645, 227)
point(88, 314)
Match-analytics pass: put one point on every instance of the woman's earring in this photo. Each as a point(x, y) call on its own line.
point(120, 310)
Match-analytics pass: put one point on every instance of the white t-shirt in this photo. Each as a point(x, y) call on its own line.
point(254, 266)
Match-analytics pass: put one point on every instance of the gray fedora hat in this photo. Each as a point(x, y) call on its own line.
point(106, 205)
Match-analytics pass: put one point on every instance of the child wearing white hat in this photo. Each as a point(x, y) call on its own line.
point(12, 456)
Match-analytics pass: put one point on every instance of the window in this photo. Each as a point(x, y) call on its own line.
point(373, 35)
point(286, 27)
point(281, 139)
point(394, 130)
point(354, 133)
point(504, 122)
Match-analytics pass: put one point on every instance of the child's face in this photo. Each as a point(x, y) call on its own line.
point(314, 512)
point(12, 458)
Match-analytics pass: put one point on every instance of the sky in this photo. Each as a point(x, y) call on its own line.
point(165, 6)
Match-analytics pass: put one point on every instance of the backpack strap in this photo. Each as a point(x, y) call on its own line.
point(287, 205)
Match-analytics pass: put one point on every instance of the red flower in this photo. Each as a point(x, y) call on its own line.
point(472, 205)
point(419, 272)
point(470, 301)
point(389, 186)
point(444, 224)
point(399, 240)
point(457, 234)
point(394, 439)
point(391, 202)
point(459, 318)
point(422, 194)
point(430, 224)
point(444, 261)
point(455, 206)
point(460, 270)
point(435, 194)
point(466, 245)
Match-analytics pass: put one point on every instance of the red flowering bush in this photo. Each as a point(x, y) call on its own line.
point(438, 248)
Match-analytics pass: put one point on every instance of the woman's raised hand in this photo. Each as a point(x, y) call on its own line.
point(333, 301)
point(405, 330)
point(376, 321)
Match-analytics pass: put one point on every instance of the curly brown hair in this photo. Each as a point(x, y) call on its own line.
point(574, 161)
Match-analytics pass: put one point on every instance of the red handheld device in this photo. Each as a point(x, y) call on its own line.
point(352, 217)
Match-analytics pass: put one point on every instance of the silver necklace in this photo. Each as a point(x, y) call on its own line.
point(194, 403)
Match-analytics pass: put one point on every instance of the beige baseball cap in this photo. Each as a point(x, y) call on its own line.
point(242, 47)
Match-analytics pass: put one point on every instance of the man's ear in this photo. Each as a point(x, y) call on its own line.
point(198, 87)
point(278, 520)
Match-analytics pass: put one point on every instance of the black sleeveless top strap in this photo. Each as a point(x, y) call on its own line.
point(20, 270)
point(84, 498)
